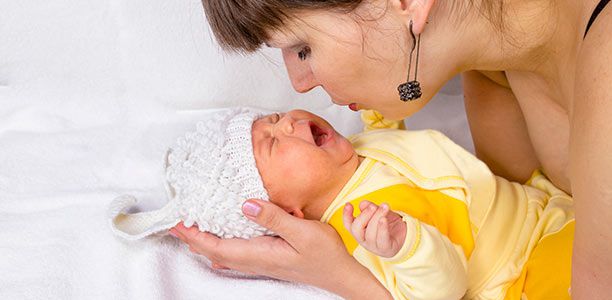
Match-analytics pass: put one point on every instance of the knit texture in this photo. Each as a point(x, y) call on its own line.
point(210, 172)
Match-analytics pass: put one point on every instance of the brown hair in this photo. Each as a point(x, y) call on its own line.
point(244, 25)
point(492, 10)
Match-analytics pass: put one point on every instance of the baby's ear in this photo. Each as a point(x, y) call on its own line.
point(296, 212)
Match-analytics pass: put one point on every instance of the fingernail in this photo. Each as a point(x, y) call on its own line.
point(251, 209)
point(171, 232)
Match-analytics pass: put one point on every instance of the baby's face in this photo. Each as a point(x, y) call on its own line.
point(300, 156)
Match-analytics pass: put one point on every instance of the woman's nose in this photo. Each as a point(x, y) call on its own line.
point(299, 72)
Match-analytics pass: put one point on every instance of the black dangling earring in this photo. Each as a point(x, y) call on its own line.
point(411, 90)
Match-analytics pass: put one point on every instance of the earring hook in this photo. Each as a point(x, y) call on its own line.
point(411, 90)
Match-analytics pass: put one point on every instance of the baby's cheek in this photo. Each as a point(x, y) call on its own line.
point(305, 165)
point(346, 148)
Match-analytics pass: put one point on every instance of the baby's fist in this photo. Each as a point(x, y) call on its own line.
point(377, 229)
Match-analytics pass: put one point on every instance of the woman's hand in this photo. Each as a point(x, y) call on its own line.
point(307, 251)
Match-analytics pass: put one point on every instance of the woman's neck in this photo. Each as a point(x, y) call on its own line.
point(537, 36)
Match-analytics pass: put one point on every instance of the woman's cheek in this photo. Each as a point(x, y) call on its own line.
point(332, 78)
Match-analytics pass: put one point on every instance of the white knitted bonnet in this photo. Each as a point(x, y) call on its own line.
point(209, 174)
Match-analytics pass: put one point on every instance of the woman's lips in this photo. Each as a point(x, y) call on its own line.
point(353, 106)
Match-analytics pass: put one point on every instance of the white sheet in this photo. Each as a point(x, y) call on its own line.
point(91, 94)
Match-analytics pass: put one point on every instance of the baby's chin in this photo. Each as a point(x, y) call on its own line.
point(344, 149)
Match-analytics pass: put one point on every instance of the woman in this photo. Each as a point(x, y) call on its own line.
point(536, 76)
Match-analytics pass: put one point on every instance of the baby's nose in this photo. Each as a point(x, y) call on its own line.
point(286, 124)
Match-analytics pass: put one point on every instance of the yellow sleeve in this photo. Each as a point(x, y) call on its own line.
point(375, 120)
point(428, 266)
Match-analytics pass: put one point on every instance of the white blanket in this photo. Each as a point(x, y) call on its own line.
point(91, 95)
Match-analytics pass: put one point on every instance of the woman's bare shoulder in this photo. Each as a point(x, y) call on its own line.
point(594, 60)
point(591, 162)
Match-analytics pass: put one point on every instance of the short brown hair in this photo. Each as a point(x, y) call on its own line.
point(244, 25)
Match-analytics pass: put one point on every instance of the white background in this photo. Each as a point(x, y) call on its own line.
point(91, 95)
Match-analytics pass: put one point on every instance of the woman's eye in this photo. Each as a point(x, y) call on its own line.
point(304, 53)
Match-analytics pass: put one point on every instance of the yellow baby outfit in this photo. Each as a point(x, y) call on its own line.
point(469, 234)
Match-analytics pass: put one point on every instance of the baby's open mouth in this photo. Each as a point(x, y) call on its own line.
point(319, 135)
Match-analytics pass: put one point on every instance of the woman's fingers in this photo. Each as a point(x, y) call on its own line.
point(173, 232)
point(236, 253)
point(318, 250)
point(270, 216)
point(190, 234)
point(219, 266)
point(224, 252)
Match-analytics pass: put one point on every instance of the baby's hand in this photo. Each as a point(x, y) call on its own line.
point(377, 229)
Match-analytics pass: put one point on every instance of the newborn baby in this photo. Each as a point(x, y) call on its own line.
point(432, 221)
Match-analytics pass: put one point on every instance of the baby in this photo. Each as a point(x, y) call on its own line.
point(432, 221)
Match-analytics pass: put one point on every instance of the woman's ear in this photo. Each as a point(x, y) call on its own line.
point(416, 11)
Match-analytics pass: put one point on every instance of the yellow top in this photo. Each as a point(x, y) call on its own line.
point(469, 232)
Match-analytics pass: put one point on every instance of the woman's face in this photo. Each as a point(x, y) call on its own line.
point(359, 62)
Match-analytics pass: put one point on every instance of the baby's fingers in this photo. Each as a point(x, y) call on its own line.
point(372, 229)
point(364, 204)
point(383, 240)
point(359, 225)
point(347, 216)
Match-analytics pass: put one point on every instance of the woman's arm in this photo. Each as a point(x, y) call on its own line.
point(307, 251)
point(498, 127)
point(591, 164)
